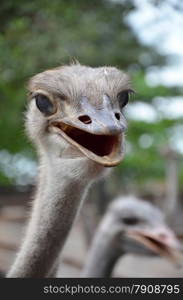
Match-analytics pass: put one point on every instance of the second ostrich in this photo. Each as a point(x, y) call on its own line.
point(75, 120)
point(130, 225)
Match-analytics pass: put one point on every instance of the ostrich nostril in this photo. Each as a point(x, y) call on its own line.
point(117, 115)
point(85, 119)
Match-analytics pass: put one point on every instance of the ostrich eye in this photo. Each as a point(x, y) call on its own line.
point(130, 221)
point(123, 97)
point(44, 104)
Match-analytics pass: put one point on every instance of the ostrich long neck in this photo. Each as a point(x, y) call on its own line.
point(63, 184)
point(103, 254)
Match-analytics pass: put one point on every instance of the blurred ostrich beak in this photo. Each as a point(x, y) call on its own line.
point(161, 241)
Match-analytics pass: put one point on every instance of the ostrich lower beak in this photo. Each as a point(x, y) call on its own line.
point(161, 242)
point(101, 142)
point(104, 149)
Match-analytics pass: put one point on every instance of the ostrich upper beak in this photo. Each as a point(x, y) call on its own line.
point(97, 133)
point(161, 241)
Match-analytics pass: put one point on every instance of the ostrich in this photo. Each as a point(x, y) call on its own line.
point(130, 225)
point(75, 120)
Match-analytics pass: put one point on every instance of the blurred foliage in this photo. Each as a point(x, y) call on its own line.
point(146, 93)
point(146, 164)
point(36, 35)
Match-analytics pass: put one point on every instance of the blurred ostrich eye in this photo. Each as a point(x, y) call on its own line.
point(123, 97)
point(130, 221)
point(44, 104)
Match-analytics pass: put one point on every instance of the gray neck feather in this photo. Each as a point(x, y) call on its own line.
point(63, 185)
point(103, 254)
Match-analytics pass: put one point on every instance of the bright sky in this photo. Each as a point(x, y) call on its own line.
point(161, 27)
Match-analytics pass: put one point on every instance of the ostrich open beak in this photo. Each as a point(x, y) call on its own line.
point(161, 241)
point(99, 135)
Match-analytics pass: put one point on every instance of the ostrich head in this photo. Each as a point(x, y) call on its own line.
point(78, 109)
point(139, 227)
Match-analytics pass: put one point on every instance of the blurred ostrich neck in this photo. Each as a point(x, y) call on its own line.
point(103, 254)
point(63, 184)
